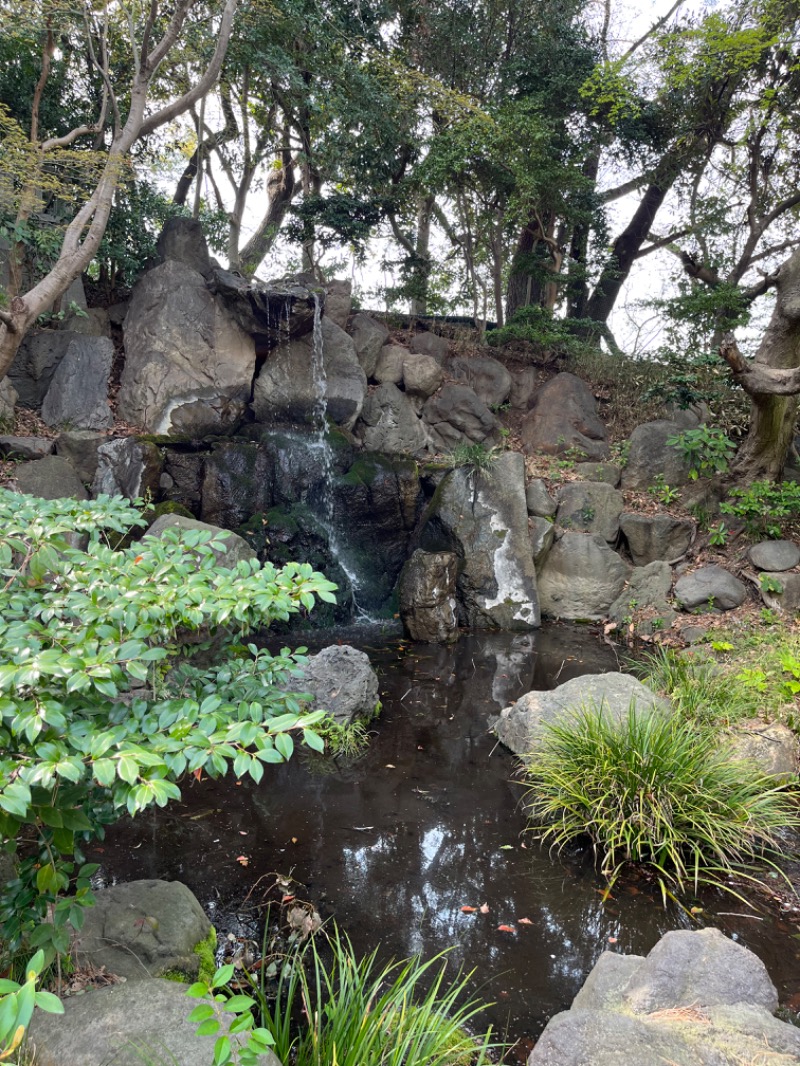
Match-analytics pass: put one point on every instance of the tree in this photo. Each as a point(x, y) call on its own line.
point(129, 52)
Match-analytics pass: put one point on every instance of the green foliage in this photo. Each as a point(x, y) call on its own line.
point(89, 725)
point(663, 492)
point(476, 456)
point(345, 739)
point(764, 506)
point(17, 1003)
point(656, 791)
point(718, 535)
point(770, 583)
point(701, 693)
point(546, 334)
point(357, 1013)
point(706, 449)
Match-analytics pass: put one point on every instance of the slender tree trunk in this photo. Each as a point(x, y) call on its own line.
point(422, 266)
point(524, 288)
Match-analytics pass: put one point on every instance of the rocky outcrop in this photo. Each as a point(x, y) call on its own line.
point(183, 240)
point(127, 467)
point(272, 313)
point(481, 516)
point(390, 424)
point(698, 999)
point(488, 379)
point(341, 681)
point(563, 416)
point(710, 588)
point(581, 578)
point(52, 478)
point(8, 400)
point(35, 363)
point(369, 337)
point(188, 365)
point(455, 416)
point(643, 607)
point(650, 457)
point(591, 507)
point(539, 501)
point(428, 596)
point(657, 537)
point(78, 393)
point(774, 748)
point(236, 548)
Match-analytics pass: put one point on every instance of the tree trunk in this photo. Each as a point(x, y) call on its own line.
point(524, 287)
point(422, 260)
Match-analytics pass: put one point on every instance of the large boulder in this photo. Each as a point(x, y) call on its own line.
point(710, 588)
point(271, 312)
point(390, 424)
point(430, 344)
point(543, 534)
point(521, 726)
point(581, 578)
point(26, 447)
point(142, 929)
point(79, 447)
point(539, 500)
point(610, 473)
point(341, 681)
point(563, 416)
point(523, 387)
point(35, 363)
point(127, 467)
point(643, 606)
point(657, 537)
point(300, 384)
point(422, 375)
point(483, 518)
point(591, 507)
point(188, 365)
point(455, 416)
point(51, 478)
point(78, 393)
point(774, 555)
point(488, 379)
point(389, 367)
point(773, 747)
point(369, 336)
point(650, 457)
point(236, 547)
point(428, 596)
point(338, 301)
point(780, 591)
point(183, 240)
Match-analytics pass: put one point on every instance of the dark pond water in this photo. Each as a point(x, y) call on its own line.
point(429, 821)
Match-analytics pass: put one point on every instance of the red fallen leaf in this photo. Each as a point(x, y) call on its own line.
point(138, 558)
point(612, 940)
point(197, 775)
point(243, 860)
point(524, 921)
point(484, 908)
point(506, 929)
point(287, 898)
point(468, 910)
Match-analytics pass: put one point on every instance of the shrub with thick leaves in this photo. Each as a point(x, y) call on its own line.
point(92, 722)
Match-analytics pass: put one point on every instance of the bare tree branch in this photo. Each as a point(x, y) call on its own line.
point(756, 379)
point(653, 30)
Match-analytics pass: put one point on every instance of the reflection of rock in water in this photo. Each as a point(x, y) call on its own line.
point(515, 667)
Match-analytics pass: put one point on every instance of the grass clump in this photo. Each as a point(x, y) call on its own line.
point(655, 790)
point(700, 688)
point(345, 739)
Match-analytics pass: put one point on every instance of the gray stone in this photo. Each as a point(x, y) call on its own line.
point(774, 555)
point(51, 478)
point(581, 578)
point(116, 312)
point(455, 416)
point(271, 312)
point(340, 681)
point(610, 473)
point(482, 517)
point(521, 726)
point(127, 1025)
point(78, 393)
point(543, 533)
point(127, 467)
point(651, 457)
point(599, 1038)
point(782, 592)
point(643, 605)
point(188, 365)
point(236, 547)
point(488, 379)
point(142, 929)
point(79, 447)
point(390, 424)
point(428, 596)
point(711, 588)
point(36, 362)
point(657, 537)
point(422, 375)
point(430, 344)
point(523, 387)
point(590, 506)
point(92, 323)
point(369, 336)
point(563, 416)
point(26, 447)
point(773, 747)
point(607, 980)
point(389, 366)
point(183, 241)
point(338, 301)
point(538, 499)
point(8, 400)
point(290, 385)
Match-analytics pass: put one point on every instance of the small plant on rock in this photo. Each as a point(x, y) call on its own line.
point(663, 492)
point(764, 506)
point(707, 450)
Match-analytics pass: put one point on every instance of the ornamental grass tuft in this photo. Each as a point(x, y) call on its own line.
point(660, 792)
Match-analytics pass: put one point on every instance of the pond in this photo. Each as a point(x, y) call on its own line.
point(429, 821)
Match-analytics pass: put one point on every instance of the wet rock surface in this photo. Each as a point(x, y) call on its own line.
point(342, 682)
point(428, 596)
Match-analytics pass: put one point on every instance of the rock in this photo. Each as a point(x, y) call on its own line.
point(293, 387)
point(127, 467)
point(188, 365)
point(428, 596)
point(422, 375)
point(643, 605)
point(598, 1038)
point(521, 726)
point(116, 312)
point(590, 506)
point(127, 1025)
point(369, 336)
point(581, 578)
point(652, 537)
point(8, 400)
point(36, 362)
point(271, 312)
point(431, 344)
point(711, 588)
point(390, 424)
point(142, 929)
point(542, 533)
point(773, 747)
point(182, 239)
point(78, 393)
point(389, 367)
point(26, 447)
point(488, 379)
point(482, 517)
point(563, 416)
point(781, 591)
point(775, 555)
point(79, 447)
point(523, 387)
point(340, 681)
point(651, 457)
point(236, 548)
point(92, 323)
point(338, 301)
point(455, 416)
point(607, 980)
point(538, 500)
point(51, 478)
point(610, 473)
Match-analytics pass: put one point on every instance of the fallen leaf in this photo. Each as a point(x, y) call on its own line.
point(506, 847)
point(294, 840)
point(287, 898)
point(506, 929)
point(243, 860)
point(242, 832)
point(484, 908)
point(612, 940)
point(468, 910)
point(524, 921)
point(390, 766)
